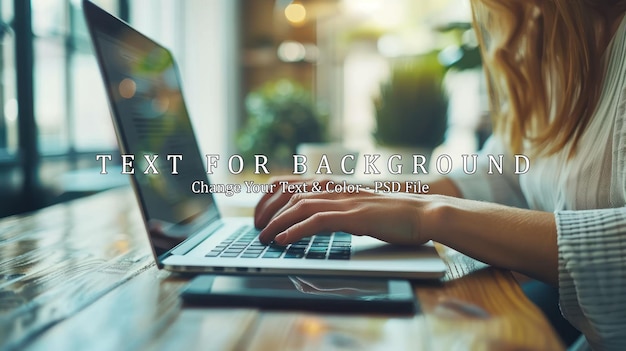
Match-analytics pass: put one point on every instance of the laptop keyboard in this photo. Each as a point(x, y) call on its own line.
point(245, 243)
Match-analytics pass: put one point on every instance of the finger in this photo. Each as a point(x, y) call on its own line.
point(391, 221)
point(349, 221)
point(270, 204)
point(274, 182)
point(331, 221)
point(265, 210)
point(319, 222)
point(264, 219)
point(272, 201)
point(298, 212)
point(295, 199)
point(273, 205)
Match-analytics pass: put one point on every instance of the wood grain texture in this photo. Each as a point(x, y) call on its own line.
point(81, 276)
point(482, 308)
point(304, 331)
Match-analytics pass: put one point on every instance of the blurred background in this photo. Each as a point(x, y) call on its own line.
point(260, 76)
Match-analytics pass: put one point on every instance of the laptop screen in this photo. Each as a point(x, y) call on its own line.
point(153, 125)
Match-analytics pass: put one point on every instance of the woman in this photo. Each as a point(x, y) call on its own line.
point(557, 80)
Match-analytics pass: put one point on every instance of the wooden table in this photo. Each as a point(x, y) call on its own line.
point(80, 276)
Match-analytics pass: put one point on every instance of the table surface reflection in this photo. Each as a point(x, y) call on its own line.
point(80, 275)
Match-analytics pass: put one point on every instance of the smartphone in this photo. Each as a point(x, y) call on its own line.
point(312, 293)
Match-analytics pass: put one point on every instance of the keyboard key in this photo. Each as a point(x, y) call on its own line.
point(332, 256)
point(257, 251)
point(316, 255)
point(245, 243)
point(342, 236)
point(273, 244)
point(316, 244)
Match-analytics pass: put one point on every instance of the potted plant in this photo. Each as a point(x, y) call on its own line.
point(281, 115)
point(412, 109)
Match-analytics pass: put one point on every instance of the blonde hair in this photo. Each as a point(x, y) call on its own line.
point(544, 65)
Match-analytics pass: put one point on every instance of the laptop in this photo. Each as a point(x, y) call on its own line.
point(186, 231)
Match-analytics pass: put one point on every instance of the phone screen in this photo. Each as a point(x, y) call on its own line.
point(365, 289)
point(303, 292)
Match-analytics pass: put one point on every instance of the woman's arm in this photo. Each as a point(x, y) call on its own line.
point(444, 186)
point(272, 203)
point(518, 239)
point(592, 274)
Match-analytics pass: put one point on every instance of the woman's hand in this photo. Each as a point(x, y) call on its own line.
point(286, 218)
point(272, 202)
point(517, 239)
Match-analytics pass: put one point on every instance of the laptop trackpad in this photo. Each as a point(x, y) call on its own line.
point(367, 248)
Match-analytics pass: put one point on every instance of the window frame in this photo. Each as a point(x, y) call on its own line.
point(27, 161)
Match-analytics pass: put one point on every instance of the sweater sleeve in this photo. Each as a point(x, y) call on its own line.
point(499, 188)
point(592, 274)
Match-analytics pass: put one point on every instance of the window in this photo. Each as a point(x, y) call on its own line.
point(53, 112)
point(70, 107)
point(8, 102)
point(54, 117)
